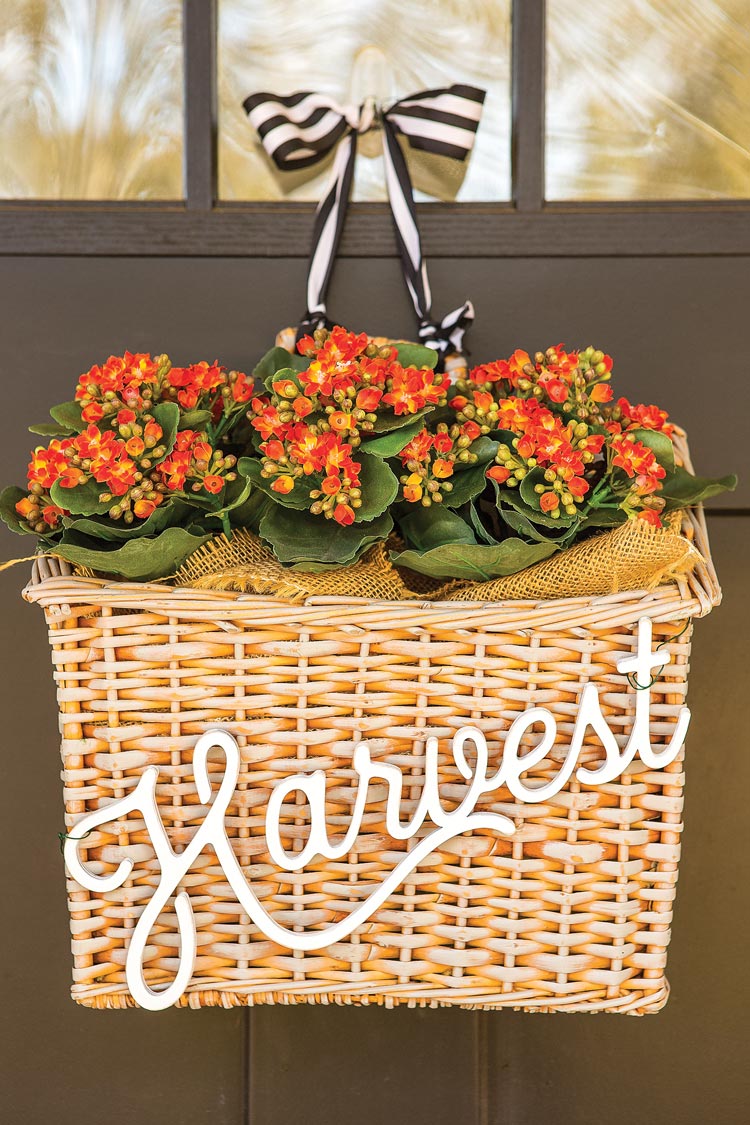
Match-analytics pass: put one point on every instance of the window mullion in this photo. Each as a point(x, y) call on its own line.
point(527, 138)
point(200, 160)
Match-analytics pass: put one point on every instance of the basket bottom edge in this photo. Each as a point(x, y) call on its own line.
point(636, 1003)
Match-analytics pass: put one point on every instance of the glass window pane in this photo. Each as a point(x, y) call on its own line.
point(388, 48)
point(91, 99)
point(648, 99)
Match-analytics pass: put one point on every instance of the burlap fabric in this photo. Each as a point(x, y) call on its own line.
point(245, 563)
point(634, 556)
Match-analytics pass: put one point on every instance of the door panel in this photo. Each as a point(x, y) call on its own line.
point(668, 322)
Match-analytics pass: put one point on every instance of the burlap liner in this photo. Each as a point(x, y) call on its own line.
point(634, 556)
point(245, 563)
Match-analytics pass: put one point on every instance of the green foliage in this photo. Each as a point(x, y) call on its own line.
point(416, 355)
point(392, 442)
point(681, 489)
point(83, 500)
point(299, 537)
point(167, 414)
point(473, 562)
point(427, 528)
point(387, 422)
point(140, 559)
point(379, 486)
point(277, 359)
point(69, 416)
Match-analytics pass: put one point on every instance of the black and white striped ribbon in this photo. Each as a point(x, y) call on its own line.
point(300, 130)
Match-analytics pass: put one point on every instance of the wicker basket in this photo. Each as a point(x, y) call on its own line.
point(570, 914)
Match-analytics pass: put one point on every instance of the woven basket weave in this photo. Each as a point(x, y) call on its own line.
point(571, 914)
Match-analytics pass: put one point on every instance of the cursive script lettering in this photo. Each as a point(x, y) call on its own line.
point(445, 824)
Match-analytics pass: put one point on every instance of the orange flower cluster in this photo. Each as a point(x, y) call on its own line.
point(302, 451)
point(626, 416)
point(130, 380)
point(311, 423)
point(136, 381)
point(129, 463)
point(576, 382)
point(640, 464)
point(430, 460)
point(195, 464)
point(563, 449)
point(349, 380)
point(196, 385)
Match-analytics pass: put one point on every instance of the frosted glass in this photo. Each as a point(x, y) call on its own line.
point(91, 99)
point(648, 99)
point(349, 49)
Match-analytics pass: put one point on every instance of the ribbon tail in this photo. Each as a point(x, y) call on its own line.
point(327, 231)
point(404, 214)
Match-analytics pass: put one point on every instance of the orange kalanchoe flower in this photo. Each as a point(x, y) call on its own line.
point(413, 388)
point(637, 460)
point(430, 460)
point(643, 417)
point(306, 451)
point(191, 384)
point(265, 419)
point(130, 378)
point(47, 465)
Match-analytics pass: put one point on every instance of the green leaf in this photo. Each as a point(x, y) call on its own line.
point(603, 517)
point(9, 497)
point(391, 443)
point(194, 419)
point(469, 511)
point(167, 414)
point(661, 445)
point(249, 513)
point(522, 525)
point(379, 486)
point(168, 513)
point(299, 537)
point(68, 414)
point(387, 422)
point(425, 528)
point(141, 559)
point(298, 498)
point(83, 500)
point(276, 359)
point(475, 563)
point(416, 355)
point(681, 489)
point(50, 429)
point(467, 484)
point(484, 449)
point(234, 494)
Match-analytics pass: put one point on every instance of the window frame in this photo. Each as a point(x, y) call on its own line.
point(527, 226)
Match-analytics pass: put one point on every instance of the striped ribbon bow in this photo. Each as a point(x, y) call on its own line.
point(298, 131)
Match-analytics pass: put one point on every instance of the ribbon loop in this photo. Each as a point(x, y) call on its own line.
point(300, 130)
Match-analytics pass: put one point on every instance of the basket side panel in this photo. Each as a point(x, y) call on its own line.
point(571, 913)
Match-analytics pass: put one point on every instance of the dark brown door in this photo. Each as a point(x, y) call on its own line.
point(664, 288)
